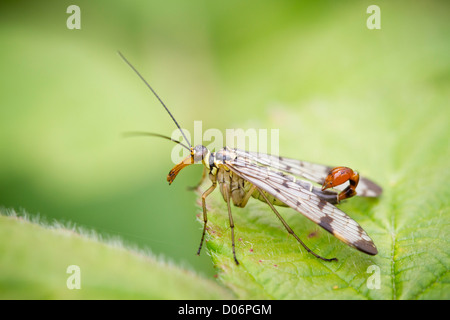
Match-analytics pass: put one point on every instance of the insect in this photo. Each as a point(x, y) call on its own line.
point(278, 181)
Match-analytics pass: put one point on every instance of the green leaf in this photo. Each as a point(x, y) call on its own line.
point(373, 101)
point(409, 223)
point(34, 261)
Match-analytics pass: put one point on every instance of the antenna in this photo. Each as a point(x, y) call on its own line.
point(156, 95)
point(142, 133)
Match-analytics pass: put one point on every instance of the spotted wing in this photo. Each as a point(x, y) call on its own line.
point(311, 171)
point(304, 201)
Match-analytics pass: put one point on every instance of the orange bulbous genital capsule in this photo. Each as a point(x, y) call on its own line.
point(340, 175)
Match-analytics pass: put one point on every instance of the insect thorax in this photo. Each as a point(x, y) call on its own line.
point(214, 160)
point(239, 187)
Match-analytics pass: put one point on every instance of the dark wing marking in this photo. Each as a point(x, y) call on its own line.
point(307, 203)
point(311, 171)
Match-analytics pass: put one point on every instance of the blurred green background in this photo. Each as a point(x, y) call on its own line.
point(66, 97)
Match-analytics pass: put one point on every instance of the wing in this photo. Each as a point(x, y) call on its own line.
point(311, 171)
point(304, 201)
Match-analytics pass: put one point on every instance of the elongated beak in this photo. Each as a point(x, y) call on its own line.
point(175, 170)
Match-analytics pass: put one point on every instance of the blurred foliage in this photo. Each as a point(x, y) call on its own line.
point(338, 92)
point(106, 269)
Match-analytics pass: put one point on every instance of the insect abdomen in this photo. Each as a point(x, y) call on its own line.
point(271, 198)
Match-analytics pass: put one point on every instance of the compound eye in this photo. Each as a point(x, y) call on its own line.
point(200, 153)
point(198, 156)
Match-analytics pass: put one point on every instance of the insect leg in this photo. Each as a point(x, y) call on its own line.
point(200, 182)
point(227, 191)
point(247, 196)
point(205, 216)
point(290, 230)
